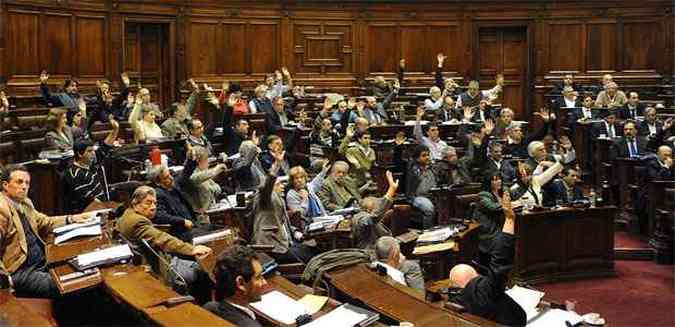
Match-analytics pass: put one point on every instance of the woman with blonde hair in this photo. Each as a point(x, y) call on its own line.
point(59, 135)
point(302, 196)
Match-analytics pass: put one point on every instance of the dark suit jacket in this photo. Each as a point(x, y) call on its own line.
point(231, 314)
point(556, 190)
point(643, 128)
point(273, 122)
point(657, 172)
point(620, 148)
point(232, 138)
point(624, 112)
point(600, 128)
point(484, 295)
point(173, 209)
point(577, 114)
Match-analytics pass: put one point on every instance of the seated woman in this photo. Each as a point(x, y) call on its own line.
point(202, 190)
point(59, 135)
point(272, 226)
point(489, 213)
point(142, 120)
point(302, 197)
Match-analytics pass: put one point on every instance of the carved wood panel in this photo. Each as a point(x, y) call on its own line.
point(321, 47)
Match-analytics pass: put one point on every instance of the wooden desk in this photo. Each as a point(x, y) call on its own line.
point(564, 244)
point(395, 301)
point(437, 265)
point(445, 201)
point(600, 158)
point(13, 313)
point(661, 208)
point(145, 294)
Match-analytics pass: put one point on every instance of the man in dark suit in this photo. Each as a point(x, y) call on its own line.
point(239, 281)
point(494, 161)
point(484, 295)
point(630, 145)
point(661, 167)
point(565, 189)
point(608, 127)
point(583, 114)
point(567, 81)
point(650, 126)
point(632, 108)
point(172, 205)
point(279, 117)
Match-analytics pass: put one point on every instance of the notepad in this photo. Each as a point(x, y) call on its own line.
point(104, 256)
point(93, 220)
point(280, 307)
point(340, 317)
point(313, 303)
point(94, 230)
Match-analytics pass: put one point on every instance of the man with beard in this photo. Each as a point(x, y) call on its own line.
point(239, 282)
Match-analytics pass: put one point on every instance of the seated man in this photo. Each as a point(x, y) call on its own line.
point(339, 190)
point(180, 114)
point(484, 295)
point(420, 179)
point(81, 182)
point(388, 251)
point(234, 132)
point(22, 233)
point(197, 137)
point(650, 126)
point(173, 208)
point(136, 225)
point(279, 117)
point(473, 95)
point(361, 157)
point(630, 145)
point(611, 97)
point(503, 122)
point(367, 224)
point(563, 190)
point(633, 108)
point(540, 158)
point(452, 170)
point(275, 156)
point(608, 127)
point(239, 282)
point(433, 141)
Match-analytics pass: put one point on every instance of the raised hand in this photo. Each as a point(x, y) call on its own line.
point(390, 180)
point(285, 72)
point(200, 251)
point(668, 124)
point(326, 165)
point(489, 126)
point(44, 77)
point(544, 113)
point(468, 113)
point(668, 162)
point(420, 112)
point(255, 139)
point(278, 156)
point(225, 86)
point(113, 123)
point(441, 58)
point(401, 63)
point(125, 79)
point(500, 79)
point(193, 84)
point(507, 206)
point(350, 131)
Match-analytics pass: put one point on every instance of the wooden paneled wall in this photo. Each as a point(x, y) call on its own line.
point(339, 44)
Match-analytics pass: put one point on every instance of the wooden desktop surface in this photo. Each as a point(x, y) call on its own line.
point(394, 300)
point(15, 314)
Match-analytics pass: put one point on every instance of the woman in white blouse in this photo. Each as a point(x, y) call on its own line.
point(142, 120)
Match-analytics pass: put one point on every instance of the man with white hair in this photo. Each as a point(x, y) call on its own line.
point(388, 251)
point(540, 159)
point(484, 295)
point(611, 97)
point(339, 190)
point(367, 224)
point(435, 100)
point(633, 108)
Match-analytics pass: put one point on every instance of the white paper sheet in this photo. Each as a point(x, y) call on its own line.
point(280, 307)
point(436, 235)
point(93, 220)
point(94, 230)
point(394, 273)
point(340, 317)
point(528, 299)
point(210, 237)
point(111, 253)
point(555, 318)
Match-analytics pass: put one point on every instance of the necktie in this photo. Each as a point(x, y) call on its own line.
point(633, 149)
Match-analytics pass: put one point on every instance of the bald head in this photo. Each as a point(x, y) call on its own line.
point(664, 152)
point(462, 274)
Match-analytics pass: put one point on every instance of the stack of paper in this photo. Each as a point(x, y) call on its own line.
point(94, 230)
point(111, 254)
point(340, 317)
point(437, 235)
point(327, 221)
point(94, 220)
point(279, 307)
point(528, 299)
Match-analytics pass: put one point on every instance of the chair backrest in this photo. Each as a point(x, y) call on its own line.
point(465, 205)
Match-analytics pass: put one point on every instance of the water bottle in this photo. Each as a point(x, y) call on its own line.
point(592, 197)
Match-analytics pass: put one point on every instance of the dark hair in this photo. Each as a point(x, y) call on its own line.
point(359, 135)
point(234, 87)
point(630, 121)
point(68, 82)
point(566, 170)
point(588, 95)
point(233, 262)
point(487, 179)
point(7, 172)
point(418, 150)
point(432, 124)
point(80, 147)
